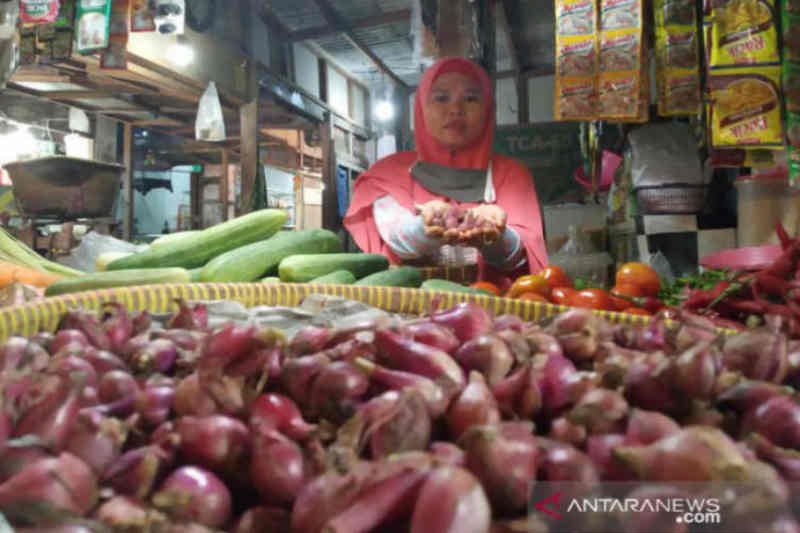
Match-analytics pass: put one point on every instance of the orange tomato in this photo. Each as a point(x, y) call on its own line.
point(533, 297)
point(636, 311)
point(641, 275)
point(531, 283)
point(625, 289)
point(555, 277)
point(591, 299)
point(562, 295)
point(486, 286)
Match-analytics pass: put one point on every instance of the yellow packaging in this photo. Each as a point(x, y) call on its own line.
point(620, 14)
point(575, 17)
point(575, 98)
point(743, 32)
point(620, 50)
point(745, 107)
point(675, 12)
point(576, 55)
point(619, 95)
point(679, 93)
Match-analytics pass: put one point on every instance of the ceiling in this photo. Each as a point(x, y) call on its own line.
point(384, 28)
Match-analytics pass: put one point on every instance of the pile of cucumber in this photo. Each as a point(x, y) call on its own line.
point(247, 249)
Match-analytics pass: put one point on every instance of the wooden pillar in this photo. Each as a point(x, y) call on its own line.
point(196, 200)
point(522, 100)
point(248, 118)
point(330, 215)
point(224, 190)
point(127, 182)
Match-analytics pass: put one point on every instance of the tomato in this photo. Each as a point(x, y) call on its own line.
point(562, 295)
point(591, 299)
point(625, 289)
point(555, 277)
point(486, 286)
point(532, 283)
point(533, 297)
point(641, 275)
point(636, 311)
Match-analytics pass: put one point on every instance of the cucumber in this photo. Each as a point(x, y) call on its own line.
point(340, 277)
point(302, 268)
point(271, 279)
point(394, 277)
point(194, 274)
point(171, 238)
point(119, 278)
point(196, 250)
point(254, 261)
point(449, 286)
point(102, 261)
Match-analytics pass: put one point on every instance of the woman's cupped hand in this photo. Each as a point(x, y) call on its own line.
point(477, 226)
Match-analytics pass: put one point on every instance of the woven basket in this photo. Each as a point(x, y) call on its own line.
point(671, 199)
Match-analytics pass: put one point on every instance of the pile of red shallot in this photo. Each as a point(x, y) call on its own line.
point(442, 423)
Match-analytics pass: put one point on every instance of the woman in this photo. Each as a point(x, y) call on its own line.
point(453, 164)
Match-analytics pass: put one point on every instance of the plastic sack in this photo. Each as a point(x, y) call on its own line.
point(210, 124)
point(580, 260)
point(665, 154)
point(93, 244)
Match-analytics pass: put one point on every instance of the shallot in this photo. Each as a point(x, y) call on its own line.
point(193, 494)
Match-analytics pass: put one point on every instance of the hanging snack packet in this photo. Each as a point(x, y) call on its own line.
point(743, 32)
point(576, 60)
point(576, 99)
point(619, 95)
point(38, 11)
point(677, 12)
point(92, 26)
point(679, 93)
point(620, 50)
point(575, 17)
point(620, 14)
point(791, 87)
point(745, 107)
point(680, 50)
point(576, 55)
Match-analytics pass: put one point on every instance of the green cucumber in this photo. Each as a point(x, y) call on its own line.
point(394, 277)
point(171, 238)
point(197, 249)
point(303, 268)
point(118, 278)
point(340, 277)
point(271, 279)
point(449, 286)
point(254, 261)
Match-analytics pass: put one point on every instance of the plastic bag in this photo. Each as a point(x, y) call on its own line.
point(93, 244)
point(580, 260)
point(210, 124)
point(665, 154)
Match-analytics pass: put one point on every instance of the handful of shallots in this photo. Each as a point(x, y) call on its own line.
point(454, 224)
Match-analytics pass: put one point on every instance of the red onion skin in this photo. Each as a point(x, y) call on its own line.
point(264, 519)
point(103, 361)
point(600, 449)
point(18, 353)
point(43, 339)
point(154, 404)
point(759, 354)
point(398, 380)
point(217, 442)
point(87, 323)
point(400, 423)
point(517, 344)
point(466, 320)
point(777, 419)
point(451, 500)
point(475, 406)
point(577, 332)
point(564, 431)
point(394, 496)
point(696, 372)
point(600, 411)
point(310, 340)
point(184, 339)
point(196, 495)
point(448, 453)
point(118, 326)
point(64, 482)
point(142, 320)
point(70, 365)
point(786, 462)
point(336, 390)
point(508, 322)
point(747, 395)
point(434, 335)
point(277, 468)
point(510, 388)
point(97, 441)
point(61, 339)
point(647, 427)
point(487, 354)
point(191, 317)
point(136, 472)
point(555, 373)
point(116, 385)
point(299, 374)
point(159, 355)
point(191, 399)
point(562, 462)
point(505, 464)
point(543, 343)
point(122, 513)
point(275, 411)
point(53, 417)
point(135, 344)
point(407, 355)
point(225, 346)
point(13, 460)
point(648, 386)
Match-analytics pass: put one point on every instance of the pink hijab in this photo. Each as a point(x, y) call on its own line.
point(514, 188)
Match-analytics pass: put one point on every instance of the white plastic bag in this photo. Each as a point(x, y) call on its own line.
point(210, 124)
point(93, 244)
point(665, 154)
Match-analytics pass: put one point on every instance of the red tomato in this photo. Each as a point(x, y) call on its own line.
point(625, 289)
point(591, 299)
point(533, 297)
point(636, 311)
point(641, 275)
point(562, 295)
point(530, 283)
point(486, 286)
point(556, 277)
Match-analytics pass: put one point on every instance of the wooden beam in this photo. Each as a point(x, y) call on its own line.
point(513, 12)
point(248, 118)
point(333, 18)
point(316, 32)
point(330, 214)
point(223, 184)
point(127, 182)
point(272, 21)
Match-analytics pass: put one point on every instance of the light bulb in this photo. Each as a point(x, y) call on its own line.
point(181, 54)
point(384, 111)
